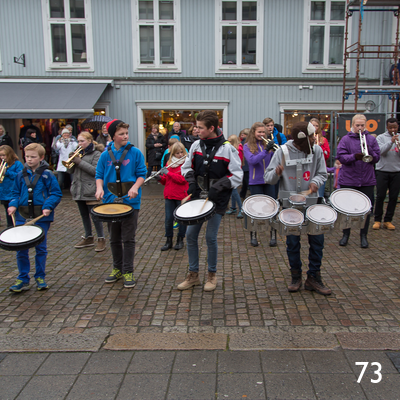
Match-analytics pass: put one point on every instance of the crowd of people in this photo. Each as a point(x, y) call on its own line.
point(201, 165)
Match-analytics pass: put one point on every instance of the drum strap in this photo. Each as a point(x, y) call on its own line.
point(31, 187)
point(208, 157)
point(117, 165)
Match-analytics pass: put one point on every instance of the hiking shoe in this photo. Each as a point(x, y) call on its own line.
point(85, 242)
point(41, 284)
point(211, 283)
point(192, 279)
point(101, 244)
point(176, 225)
point(114, 276)
point(315, 283)
point(19, 286)
point(376, 225)
point(129, 280)
point(389, 225)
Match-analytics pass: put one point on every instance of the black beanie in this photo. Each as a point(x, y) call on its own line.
point(112, 127)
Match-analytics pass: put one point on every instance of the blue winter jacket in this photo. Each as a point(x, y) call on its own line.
point(9, 178)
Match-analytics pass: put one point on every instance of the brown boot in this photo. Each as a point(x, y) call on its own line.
point(296, 282)
point(101, 244)
point(85, 242)
point(211, 282)
point(315, 283)
point(192, 279)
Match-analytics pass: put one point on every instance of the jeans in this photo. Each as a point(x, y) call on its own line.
point(385, 181)
point(235, 198)
point(61, 178)
point(170, 206)
point(23, 262)
point(315, 253)
point(150, 169)
point(192, 235)
point(122, 241)
point(84, 210)
point(321, 190)
point(245, 184)
point(8, 218)
point(269, 190)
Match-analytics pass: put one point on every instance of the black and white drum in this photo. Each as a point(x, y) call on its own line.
point(21, 237)
point(194, 212)
point(290, 222)
point(259, 212)
point(351, 206)
point(320, 219)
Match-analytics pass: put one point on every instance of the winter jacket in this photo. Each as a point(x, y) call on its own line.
point(390, 156)
point(325, 149)
point(47, 192)
point(357, 172)
point(5, 139)
point(152, 151)
point(64, 153)
point(281, 136)
point(175, 184)
point(9, 178)
point(258, 163)
point(245, 164)
point(83, 186)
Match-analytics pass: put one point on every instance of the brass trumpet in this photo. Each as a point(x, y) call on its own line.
point(3, 168)
point(364, 148)
point(275, 147)
point(69, 163)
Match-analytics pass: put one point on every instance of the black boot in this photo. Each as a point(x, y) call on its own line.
point(167, 245)
point(272, 242)
point(315, 283)
point(179, 243)
point(253, 239)
point(296, 281)
point(364, 241)
point(346, 234)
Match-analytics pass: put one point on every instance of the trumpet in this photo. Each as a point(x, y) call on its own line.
point(69, 163)
point(275, 147)
point(3, 168)
point(364, 148)
point(396, 141)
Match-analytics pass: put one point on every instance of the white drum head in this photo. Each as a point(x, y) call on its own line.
point(350, 201)
point(260, 206)
point(291, 216)
point(321, 214)
point(192, 208)
point(297, 199)
point(21, 234)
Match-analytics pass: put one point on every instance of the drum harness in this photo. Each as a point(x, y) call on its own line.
point(31, 186)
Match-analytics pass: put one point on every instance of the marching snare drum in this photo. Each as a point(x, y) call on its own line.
point(290, 222)
point(112, 212)
point(321, 219)
point(297, 200)
point(261, 209)
point(193, 212)
point(21, 237)
point(352, 207)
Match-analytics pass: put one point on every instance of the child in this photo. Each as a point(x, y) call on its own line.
point(175, 190)
point(42, 199)
point(131, 168)
point(235, 198)
point(13, 167)
point(245, 165)
point(165, 156)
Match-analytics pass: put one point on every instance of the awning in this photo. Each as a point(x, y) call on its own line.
point(49, 100)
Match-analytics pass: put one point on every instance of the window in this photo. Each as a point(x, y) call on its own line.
point(239, 41)
point(324, 35)
point(67, 34)
point(157, 37)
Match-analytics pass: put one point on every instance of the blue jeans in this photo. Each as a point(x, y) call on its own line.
point(192, 235)
point(321, 190)
point(150, 169)
point(170, 206)
point(269, 190)
point(23, 263)
point(235, 199)
point(315, 253)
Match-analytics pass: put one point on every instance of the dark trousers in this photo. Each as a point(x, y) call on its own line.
point(315, 253)
point(385, 181)
point(368, 191)
point(245, 184)
point(170, 206)
point(151, 168)
point(269, 190)
point(122, 241)
point(8, 218)
point(85, 211)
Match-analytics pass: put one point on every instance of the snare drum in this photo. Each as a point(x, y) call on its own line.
point(297, 200)
point(21, 237)
point(189, 213)
point(261, 209)
point(290, 222)
point(321, 219)
point(352, 207)
point(112, 212)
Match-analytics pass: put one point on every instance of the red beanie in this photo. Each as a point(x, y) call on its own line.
point(112, 127)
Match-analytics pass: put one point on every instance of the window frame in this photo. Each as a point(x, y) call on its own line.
point(324, 68)
point(240, 68)
point(157, 23)
point(87, 21)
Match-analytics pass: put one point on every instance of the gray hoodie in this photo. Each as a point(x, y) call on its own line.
point(390, 158)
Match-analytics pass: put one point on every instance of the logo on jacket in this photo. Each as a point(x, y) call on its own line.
point(125, 162)
point(306, 175)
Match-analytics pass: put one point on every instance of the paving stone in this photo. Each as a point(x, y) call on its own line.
point(289, 386)
point(244, 385)
point(108, 362)
point(152, 362)
point(11, 385)
point(21, 364)
point(370, 357)
point(387, 388)
point(239, 361)
point(395, 358)
point(192, 386)
point(328, 362)
point(63, 364)
point(195, 362)
point(144, 387)
point(369, 341)
point(282, 361)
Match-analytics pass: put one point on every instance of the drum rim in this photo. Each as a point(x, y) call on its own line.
point(22, 245)
point(111, 216)
point(297, 212)
point(213, 208)
point(297, 202)
point(318, 222)
point(346, 212)
point(258, 217)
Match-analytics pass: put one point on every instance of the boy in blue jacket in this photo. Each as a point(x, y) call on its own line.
point(42, 199)
point(132, 167)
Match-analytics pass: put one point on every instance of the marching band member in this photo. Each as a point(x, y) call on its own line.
point(213, 165)
point(284, 166)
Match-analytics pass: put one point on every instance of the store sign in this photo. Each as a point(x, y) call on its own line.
point(375, 123)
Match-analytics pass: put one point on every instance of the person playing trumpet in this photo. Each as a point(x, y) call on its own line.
point(65, 145)
point(387, 174)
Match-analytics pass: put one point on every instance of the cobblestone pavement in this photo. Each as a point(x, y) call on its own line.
point(251, 290)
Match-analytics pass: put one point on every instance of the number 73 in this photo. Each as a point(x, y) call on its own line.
point(377, 372)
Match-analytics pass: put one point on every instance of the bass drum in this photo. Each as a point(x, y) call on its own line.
point(112, 212)
point(193, 212)
point(21, 237)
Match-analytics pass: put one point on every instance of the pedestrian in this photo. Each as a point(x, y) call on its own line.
point(155, 144)
point(65, 145)
point(245, 165)
point(35, 189)
point(131, 168)
point(5, 138)
point(103, 137)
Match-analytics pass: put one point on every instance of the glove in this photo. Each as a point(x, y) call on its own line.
point(157, 178)
point(192, 188)
point(270, 146)
point(213, 194)
point(359, 156)
point(164, 171)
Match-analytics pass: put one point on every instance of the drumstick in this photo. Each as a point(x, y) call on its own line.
point(201, 209)
point(306, 192)
point(13, 218)
point(186, 199)
point(32, 221)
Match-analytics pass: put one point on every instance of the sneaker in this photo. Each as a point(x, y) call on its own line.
point(114, 276)
point(129, 280)
point(41, 284)
point(389, 225)
point(19, 286)
point(176, 225)
point(231, 211)
point(85, 242)
point(376, 225)
point(240, 215)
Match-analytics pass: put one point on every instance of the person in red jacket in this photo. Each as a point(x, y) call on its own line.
point(175, 190)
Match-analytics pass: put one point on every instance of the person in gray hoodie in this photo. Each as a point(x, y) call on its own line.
point(312, 175)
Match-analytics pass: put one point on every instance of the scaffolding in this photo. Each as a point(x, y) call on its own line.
point(358, 52)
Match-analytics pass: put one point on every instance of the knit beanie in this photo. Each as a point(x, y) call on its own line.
point(300, 133)
point(65, 130)
point(112, 127)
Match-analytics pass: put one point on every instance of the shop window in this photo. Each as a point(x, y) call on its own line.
point(239, 36)
point(324, 35)
point(67, 34)
point(156, 35)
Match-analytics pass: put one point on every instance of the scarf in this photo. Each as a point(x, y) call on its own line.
point(173, 159)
